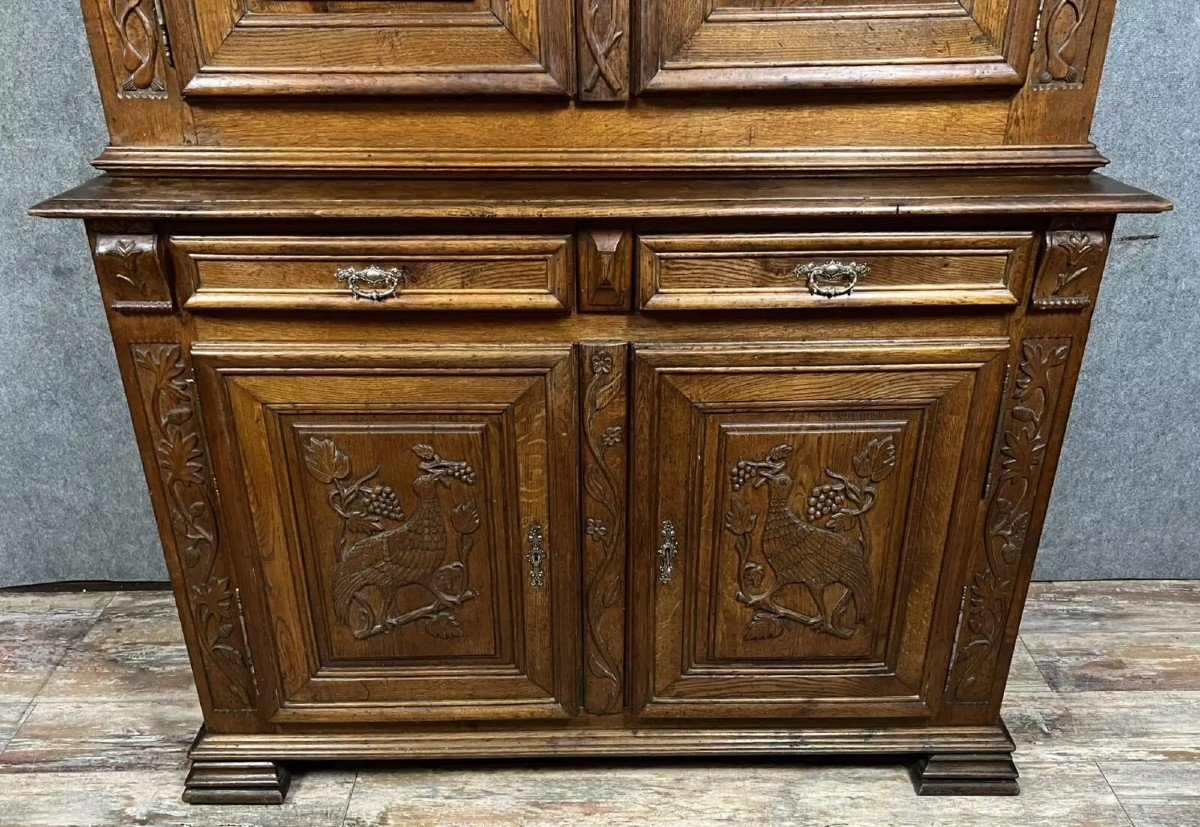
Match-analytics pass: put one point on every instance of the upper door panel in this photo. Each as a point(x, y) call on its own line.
point(775, 44)
point(385, 47)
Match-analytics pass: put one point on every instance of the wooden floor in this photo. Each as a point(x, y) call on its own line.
point(97, 710)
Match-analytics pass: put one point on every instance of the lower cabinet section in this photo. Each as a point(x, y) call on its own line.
point(599, 548)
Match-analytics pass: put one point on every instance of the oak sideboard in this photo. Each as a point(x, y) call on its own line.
point(599, 378)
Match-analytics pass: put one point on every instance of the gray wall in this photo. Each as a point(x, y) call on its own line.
point(73, 505)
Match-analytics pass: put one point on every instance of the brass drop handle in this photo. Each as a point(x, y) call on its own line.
point(667, 552)
point(536, 556)
point(373, 283)
point(834, 278)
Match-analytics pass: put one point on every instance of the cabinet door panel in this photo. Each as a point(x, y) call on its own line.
point(756, 44)
point(391, 498)
point(394, 47)
point(808, 493)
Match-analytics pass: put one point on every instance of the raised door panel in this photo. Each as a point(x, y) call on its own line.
point(765, 44)
point(798, 509)
point(387, 47)
point(410, 514)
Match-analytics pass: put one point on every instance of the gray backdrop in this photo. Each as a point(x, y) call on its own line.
point(73, 505)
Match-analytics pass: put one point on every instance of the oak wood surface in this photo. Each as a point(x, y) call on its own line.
point(732, 350)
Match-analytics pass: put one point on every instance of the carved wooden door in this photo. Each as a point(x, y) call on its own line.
point(382, 47)
point(772, 44)
point(797, 511)
point(408, 518)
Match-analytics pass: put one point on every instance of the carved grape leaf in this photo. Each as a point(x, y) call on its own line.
point(763, 627)
point(425, 452)
point(361, 523)
point(444, 626)
point(326, 461)
point(877, 460)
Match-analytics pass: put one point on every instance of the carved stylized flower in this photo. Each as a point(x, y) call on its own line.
point(611, 436)
point(179, 457)
point(602, 362)
point(596, 529)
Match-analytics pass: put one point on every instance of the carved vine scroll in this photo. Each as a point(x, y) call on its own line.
point(378, 552)
point(604, 464)
point(988, 594)
point(184, 473)
point(139, 43)
point(829, 546)
point(1069, 276)
point(1064, 40)
point(604, 50)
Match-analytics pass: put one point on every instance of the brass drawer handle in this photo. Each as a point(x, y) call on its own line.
point(536, 556)
point(834, 278)
point(373, 283)
point(667, 552)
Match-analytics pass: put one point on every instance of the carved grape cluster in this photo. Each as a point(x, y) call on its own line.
point(823, 500)
point(741, 474)
point(381, 500)
point(463, 473)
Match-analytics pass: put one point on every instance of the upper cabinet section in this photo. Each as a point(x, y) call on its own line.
point(523, 47)
point(785, 44)
point(384, 47)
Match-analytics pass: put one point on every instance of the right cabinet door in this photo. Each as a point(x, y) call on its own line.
point(796, 507)
point(688, 45)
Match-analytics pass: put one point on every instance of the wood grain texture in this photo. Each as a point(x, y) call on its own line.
point(164, 198)
point(796, 515)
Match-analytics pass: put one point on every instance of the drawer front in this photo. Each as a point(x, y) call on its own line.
point(768, 271)
point(501, 272)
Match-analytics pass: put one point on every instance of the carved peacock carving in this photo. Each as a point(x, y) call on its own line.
point(826, 548)
point(370, 572)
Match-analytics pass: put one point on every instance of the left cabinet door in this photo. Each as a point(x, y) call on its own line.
point(409, 516)
point(273, 47)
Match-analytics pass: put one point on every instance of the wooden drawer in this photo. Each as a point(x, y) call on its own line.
point(496, 272)
point(766, 271)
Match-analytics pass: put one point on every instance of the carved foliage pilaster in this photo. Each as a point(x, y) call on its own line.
point(992, 581)
point(1069, 276)
point(185, 481)
point(603, 50)
point(1064, 39)
point(605, 432)
point(131, 271)
point(137, 48)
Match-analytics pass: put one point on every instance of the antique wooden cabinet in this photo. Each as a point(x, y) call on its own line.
point(621, 377)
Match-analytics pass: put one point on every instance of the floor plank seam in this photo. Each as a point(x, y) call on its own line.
point(349, 800)
point(1036, 665)
point(1120, 803)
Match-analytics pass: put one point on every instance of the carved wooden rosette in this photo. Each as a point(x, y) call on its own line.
point(604, 464)
point(132, 274)
point(1069, 275)
point(1064, 40)
point(603, 49)
point(988, 594)
point(183, 473)
point(138, 48)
